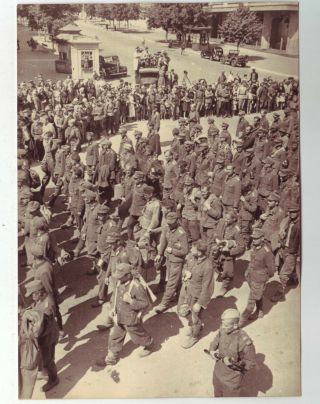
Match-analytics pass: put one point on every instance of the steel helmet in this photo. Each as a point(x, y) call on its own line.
point(230, 314)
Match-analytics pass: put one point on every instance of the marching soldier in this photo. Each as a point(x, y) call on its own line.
point(234, 353)
point(174, 244)
point(261, 268)
point(92, 156)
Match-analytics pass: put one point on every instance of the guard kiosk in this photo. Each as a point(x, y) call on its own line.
point(78, 56)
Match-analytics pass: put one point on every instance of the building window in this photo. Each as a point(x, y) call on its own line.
point(87, 61)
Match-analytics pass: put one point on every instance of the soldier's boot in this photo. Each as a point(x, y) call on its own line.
point(244, 318)
point(106, 326)
point(146, 350)
point(50, 384)
point(279, 296)
point(189, 342)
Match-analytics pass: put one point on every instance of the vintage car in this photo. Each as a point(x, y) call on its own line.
point(147, 76)
point(110, 66)
point(212, 53)
point(233, 58)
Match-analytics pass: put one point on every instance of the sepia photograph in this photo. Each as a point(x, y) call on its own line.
point(159, 200)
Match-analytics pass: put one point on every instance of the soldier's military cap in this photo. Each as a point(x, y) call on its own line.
point(103, 210)
point(188, 181)
point(36, 250)
point(148, 190)
point(127, 146)
point(188, 143)
point(276, 115)
point(268, 161)
point(90, 196)
point(122, 269)
point(65, 147)
point(257, 233)
point(33, 286)
point(210, 120)
point(294, 207)
point(75, 156)
point(172, 217)
point(138, 175)
point(33, 206)
point(22, 153)
point(274, 196)
point(175, 131)
point(201, 246)
point(230, 314)
point(198, 127)
point(25, 194)
point(225, 125)
point(220, 160)
point(113, 235)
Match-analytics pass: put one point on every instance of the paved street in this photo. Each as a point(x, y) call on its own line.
point(171, 371)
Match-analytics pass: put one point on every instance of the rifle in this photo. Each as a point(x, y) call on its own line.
point(218, 357)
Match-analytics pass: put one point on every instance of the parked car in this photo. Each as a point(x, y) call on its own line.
point(234, 58)
point(147, 76)
point(212, 53)
point(110, 66)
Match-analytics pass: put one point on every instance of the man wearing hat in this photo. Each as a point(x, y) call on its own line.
point(150, 218)
point(73, 135)
point(278, 153)
point(231, 189)
point(213, 132)
point(261, 145)
point(242, 123)
point(43, 269)
point(210, 211)
point(59, 171)
point(247, 208)
point(204, 163)
point(217, 177)
point(288, 256)
point(174, 245)
point(261, 268)
point(198, 291)
point(271, 219)
point(124, 139)
point(293, 156)
point(138, 202)
point(267, 182)
point(239, 158)
point(153, 140)
point(49, 335)
point(189, 209)
point(140, 144)
point(29, 229)
point(225, 134)
point(92, 156)
point(128, 302)
point(89, 233)
point(228, 244)
point(234, 354)
point(171, 170)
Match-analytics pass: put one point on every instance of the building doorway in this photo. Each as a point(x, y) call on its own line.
point(279, 32)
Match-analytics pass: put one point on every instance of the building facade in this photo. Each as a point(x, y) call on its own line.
point(280, 23)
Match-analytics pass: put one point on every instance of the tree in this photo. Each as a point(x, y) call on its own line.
point(177, 17)
point(241, 26)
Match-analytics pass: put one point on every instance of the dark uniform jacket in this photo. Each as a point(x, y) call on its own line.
point(92, 155)
point(201, 283)
point(128, 314)
point(238, 346)
point(261, 266)
point(177, 240)
point(231, 191)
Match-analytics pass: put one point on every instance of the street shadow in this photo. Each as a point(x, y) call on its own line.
point(80, 316)
point(239, 270)
point(73, 276)
point(259, 379)
point(254, 58)
point(134, 31)
point(77, 362)
point(212, 314)
point(270, 290)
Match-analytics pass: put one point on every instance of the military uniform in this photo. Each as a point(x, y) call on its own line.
point(219, 176)
point(92, 159)
point(210, 213)
point(231, 192)
point(238, 346)
point(247, 211)
point(224, 261)
point(177, 240)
